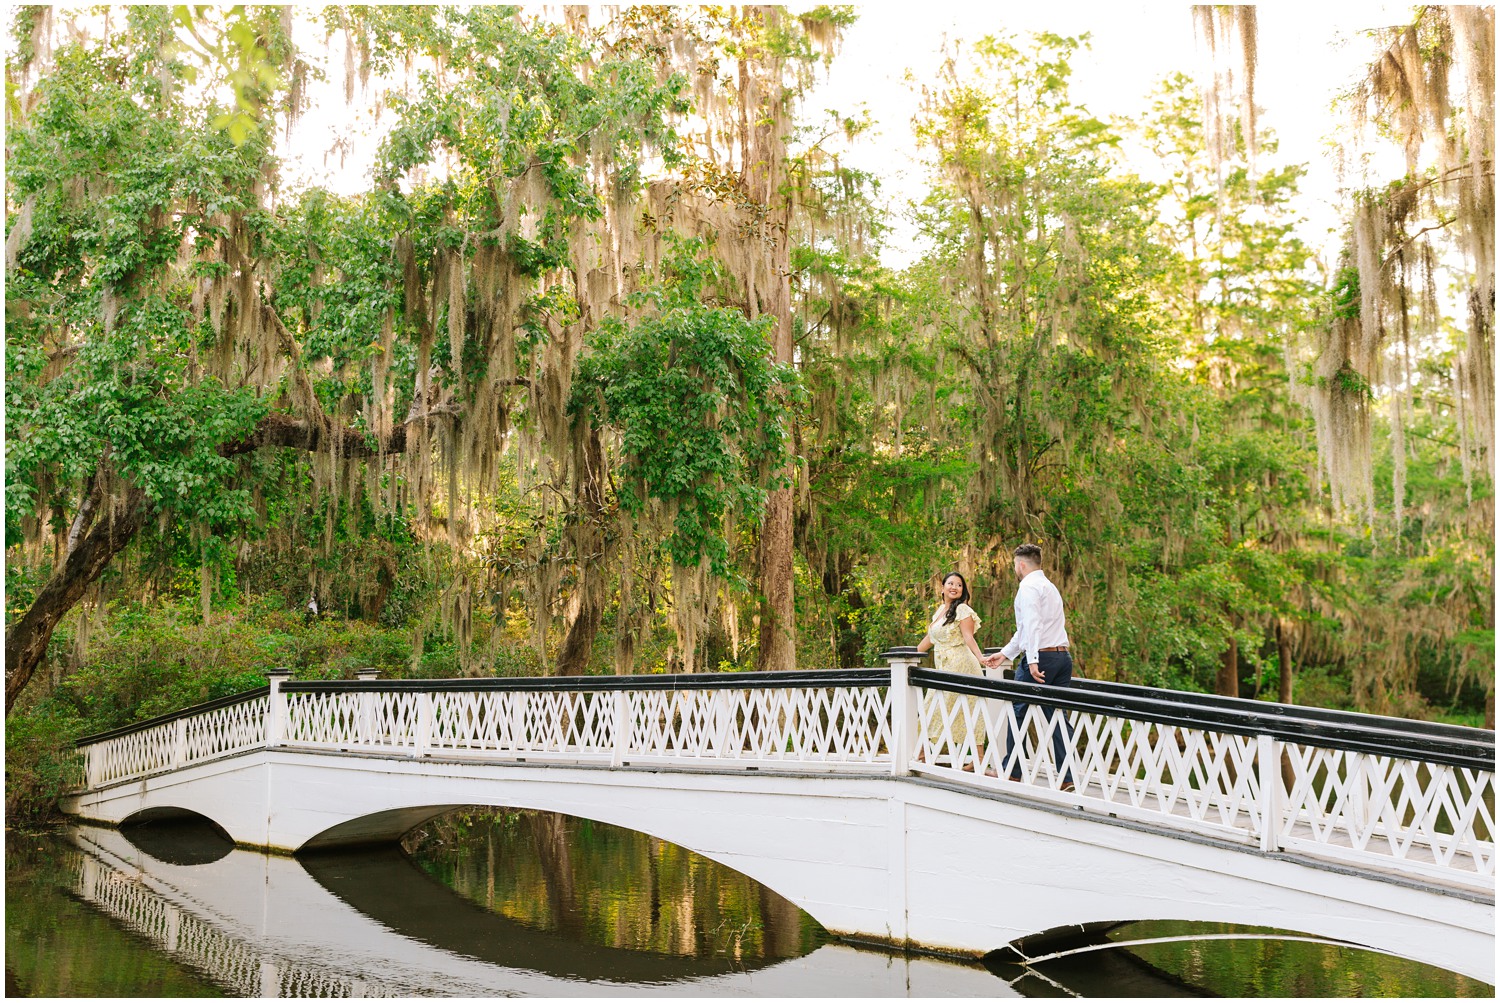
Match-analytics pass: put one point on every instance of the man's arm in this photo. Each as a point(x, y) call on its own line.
point(1029, 623)
point(1010, 651)
point(1026, 616)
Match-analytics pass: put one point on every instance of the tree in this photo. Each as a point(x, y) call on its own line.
point(1239, 292)
point(1411, 326)
point(743, 192)
point(700, 411)
point(1041, 274)
point(165, 320)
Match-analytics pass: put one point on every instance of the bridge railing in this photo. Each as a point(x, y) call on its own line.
point(1375, 792)
point(831, 719)
point(193, 735)
point(1407, 797)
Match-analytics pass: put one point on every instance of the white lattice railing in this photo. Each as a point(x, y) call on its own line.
point(1423, 805)
point(1435, 818)
point(234, 724)
point(1374, 792)
point(807, 721)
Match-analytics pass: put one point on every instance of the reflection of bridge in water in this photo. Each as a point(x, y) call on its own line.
point(113, 877)
point(369, 924)
point(843, 791)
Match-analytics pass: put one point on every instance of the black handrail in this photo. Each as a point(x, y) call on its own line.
point(655, 681)
point(198, 708)
point(1266, 708)
point(1478, 754)
point(1435, 728)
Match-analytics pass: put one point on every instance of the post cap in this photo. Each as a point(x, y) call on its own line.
point(366, 674)
point(902, 654)
point(279, 672)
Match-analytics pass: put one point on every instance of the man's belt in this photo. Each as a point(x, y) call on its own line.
point(1060, 647)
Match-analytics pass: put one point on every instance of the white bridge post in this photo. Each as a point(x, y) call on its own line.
point(423, 744)
point(93, 765)
point(179, 744)
point(903, 700)
point(365, 729)
point(1272, 798)
point(276, 711)
point(622, 728)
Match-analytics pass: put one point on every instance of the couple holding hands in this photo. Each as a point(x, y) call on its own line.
point(1039, 647)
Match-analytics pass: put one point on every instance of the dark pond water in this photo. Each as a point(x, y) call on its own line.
point(524, 903)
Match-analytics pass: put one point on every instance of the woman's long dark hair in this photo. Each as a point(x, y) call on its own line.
point(953, 606)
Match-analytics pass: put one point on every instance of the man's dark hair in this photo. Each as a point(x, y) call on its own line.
point(1030, 552)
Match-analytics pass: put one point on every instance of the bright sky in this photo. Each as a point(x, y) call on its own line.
point(1307, 52)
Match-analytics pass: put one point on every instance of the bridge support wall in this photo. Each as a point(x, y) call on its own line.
point(870, 856)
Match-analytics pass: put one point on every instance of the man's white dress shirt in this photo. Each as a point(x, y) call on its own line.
point(1039, 618)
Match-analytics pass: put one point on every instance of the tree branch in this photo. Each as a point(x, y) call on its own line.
point(26, 641)
point(281, 429)
point(86, 512)
point(1395, 251)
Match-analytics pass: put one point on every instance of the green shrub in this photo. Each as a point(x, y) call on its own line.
point(40, 764)
point(147, 661)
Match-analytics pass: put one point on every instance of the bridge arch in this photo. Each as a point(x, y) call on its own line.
point(388, 826)
point(168, 813)
point(637, 809)
point(384, 883)
point(160, 832)
point(1089, 938)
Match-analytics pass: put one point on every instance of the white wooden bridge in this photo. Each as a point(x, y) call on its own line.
point(845, 791)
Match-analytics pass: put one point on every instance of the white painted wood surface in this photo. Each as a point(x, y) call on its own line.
point(870, 856)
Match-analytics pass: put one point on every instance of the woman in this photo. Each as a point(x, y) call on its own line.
point(951, 638)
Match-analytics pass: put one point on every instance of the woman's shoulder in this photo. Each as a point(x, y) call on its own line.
point(965, 610)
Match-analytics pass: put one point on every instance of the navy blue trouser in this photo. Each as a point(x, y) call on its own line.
point(1057, 670)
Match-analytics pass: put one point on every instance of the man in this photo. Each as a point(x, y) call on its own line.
point(1042, 636)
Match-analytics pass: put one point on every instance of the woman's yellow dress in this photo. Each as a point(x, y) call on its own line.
point(951, 654)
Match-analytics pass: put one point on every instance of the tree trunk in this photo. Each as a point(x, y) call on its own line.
point(1228, 684)
point(848, 644)
point(766, 176)
point(1284, 661)
point(778, 647)
point(26, 642)
point(1284, 693)
point(385, 580)
point(579, 644)
point(592, 552)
